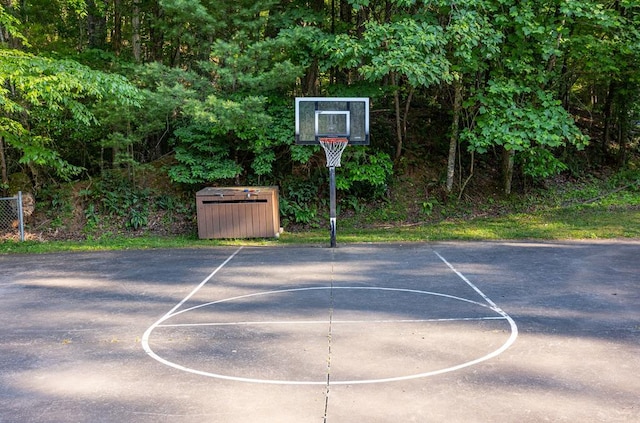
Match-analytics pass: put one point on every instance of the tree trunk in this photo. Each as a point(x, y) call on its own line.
point(507, 169)
point(310, 80)
point(116, 34)
point(622, 151)
point(317, 5)
point(135, 28)
point(401, 118)
point(399, 127)
point(96, 25)
point(453, 140)
point(5, 35)
point(608, 117)
point(623, 101)
point(156, 35)
point(362, 17)
point(346, 11)
point(4, 177)
point(396, 100)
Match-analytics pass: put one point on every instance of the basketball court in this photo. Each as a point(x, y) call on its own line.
point(473, 332)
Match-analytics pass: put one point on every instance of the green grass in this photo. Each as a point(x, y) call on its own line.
point(575, 223)
point(120, 243)
point(590, 223)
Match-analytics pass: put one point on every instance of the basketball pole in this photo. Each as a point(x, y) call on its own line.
point(332, 204)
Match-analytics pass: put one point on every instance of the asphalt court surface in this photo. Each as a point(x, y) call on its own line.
point(431, 332)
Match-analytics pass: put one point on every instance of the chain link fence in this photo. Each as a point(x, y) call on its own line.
point(11, 218)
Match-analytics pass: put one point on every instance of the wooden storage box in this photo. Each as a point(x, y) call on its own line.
point(238, 212)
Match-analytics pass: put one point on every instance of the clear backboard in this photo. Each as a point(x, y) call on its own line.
point(332, 117)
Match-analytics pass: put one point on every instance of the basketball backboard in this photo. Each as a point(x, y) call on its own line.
point(332, 117)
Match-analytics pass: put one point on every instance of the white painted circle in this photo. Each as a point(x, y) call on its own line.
point(493, 313)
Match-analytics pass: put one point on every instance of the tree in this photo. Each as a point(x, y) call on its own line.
point(10, 33)
point(513, 102)
point(239, 124)
point(472, 43)
point(608, 78)
point(520, 119)
point(32, 85)
point(217, 79)
point(407, 50)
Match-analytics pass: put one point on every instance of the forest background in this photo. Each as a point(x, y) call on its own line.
point(113, 113)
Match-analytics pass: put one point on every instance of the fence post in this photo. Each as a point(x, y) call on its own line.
point(20, 216)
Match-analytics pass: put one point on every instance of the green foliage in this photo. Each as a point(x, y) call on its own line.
point(216, 80)
point(206, 149)
point(364, 174)
point(60, 88)
point(523, 119)
point(306, 43)
point(427, 207)
point(540, 163)
point(302, 153)
point(200, 158)
point(187, 19)
point(473, 40)
point(11, 25)
point(298, 202)
point(254, 66)
point(117, 197)
point(57, 84)
point(140, 134)
point(56, 203)
point(237, 127)
point(91, 215)
point(409, 47)
point(362, 178)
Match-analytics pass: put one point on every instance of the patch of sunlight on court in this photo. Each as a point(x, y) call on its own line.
point(67, 282)
point(79, 381)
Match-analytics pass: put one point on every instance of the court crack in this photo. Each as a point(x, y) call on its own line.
point(329, 339)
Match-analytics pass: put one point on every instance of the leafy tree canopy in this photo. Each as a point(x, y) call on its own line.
point(32, 84)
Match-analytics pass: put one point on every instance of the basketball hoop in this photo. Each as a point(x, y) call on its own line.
point(333, 148)
point(334, 123)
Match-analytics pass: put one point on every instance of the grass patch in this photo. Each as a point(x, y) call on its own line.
point(576, 223)
point(591, 223)
point(120, 243)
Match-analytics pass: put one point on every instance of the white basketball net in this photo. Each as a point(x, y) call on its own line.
point(333, 148)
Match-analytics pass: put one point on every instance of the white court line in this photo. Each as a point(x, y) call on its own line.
point(512, 323)
point(197, 288)
point(491, 305)
point(147, 333)
point(325, 288)
point(326, 322)
point(475, 288)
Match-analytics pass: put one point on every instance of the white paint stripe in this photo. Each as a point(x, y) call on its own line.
point(325, 322)
point(147, 333)
point(475, 288)
point(207, 279)
point(505, 346)
point(327, 288)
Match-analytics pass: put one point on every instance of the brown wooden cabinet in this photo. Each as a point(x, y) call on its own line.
point(238, 212)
